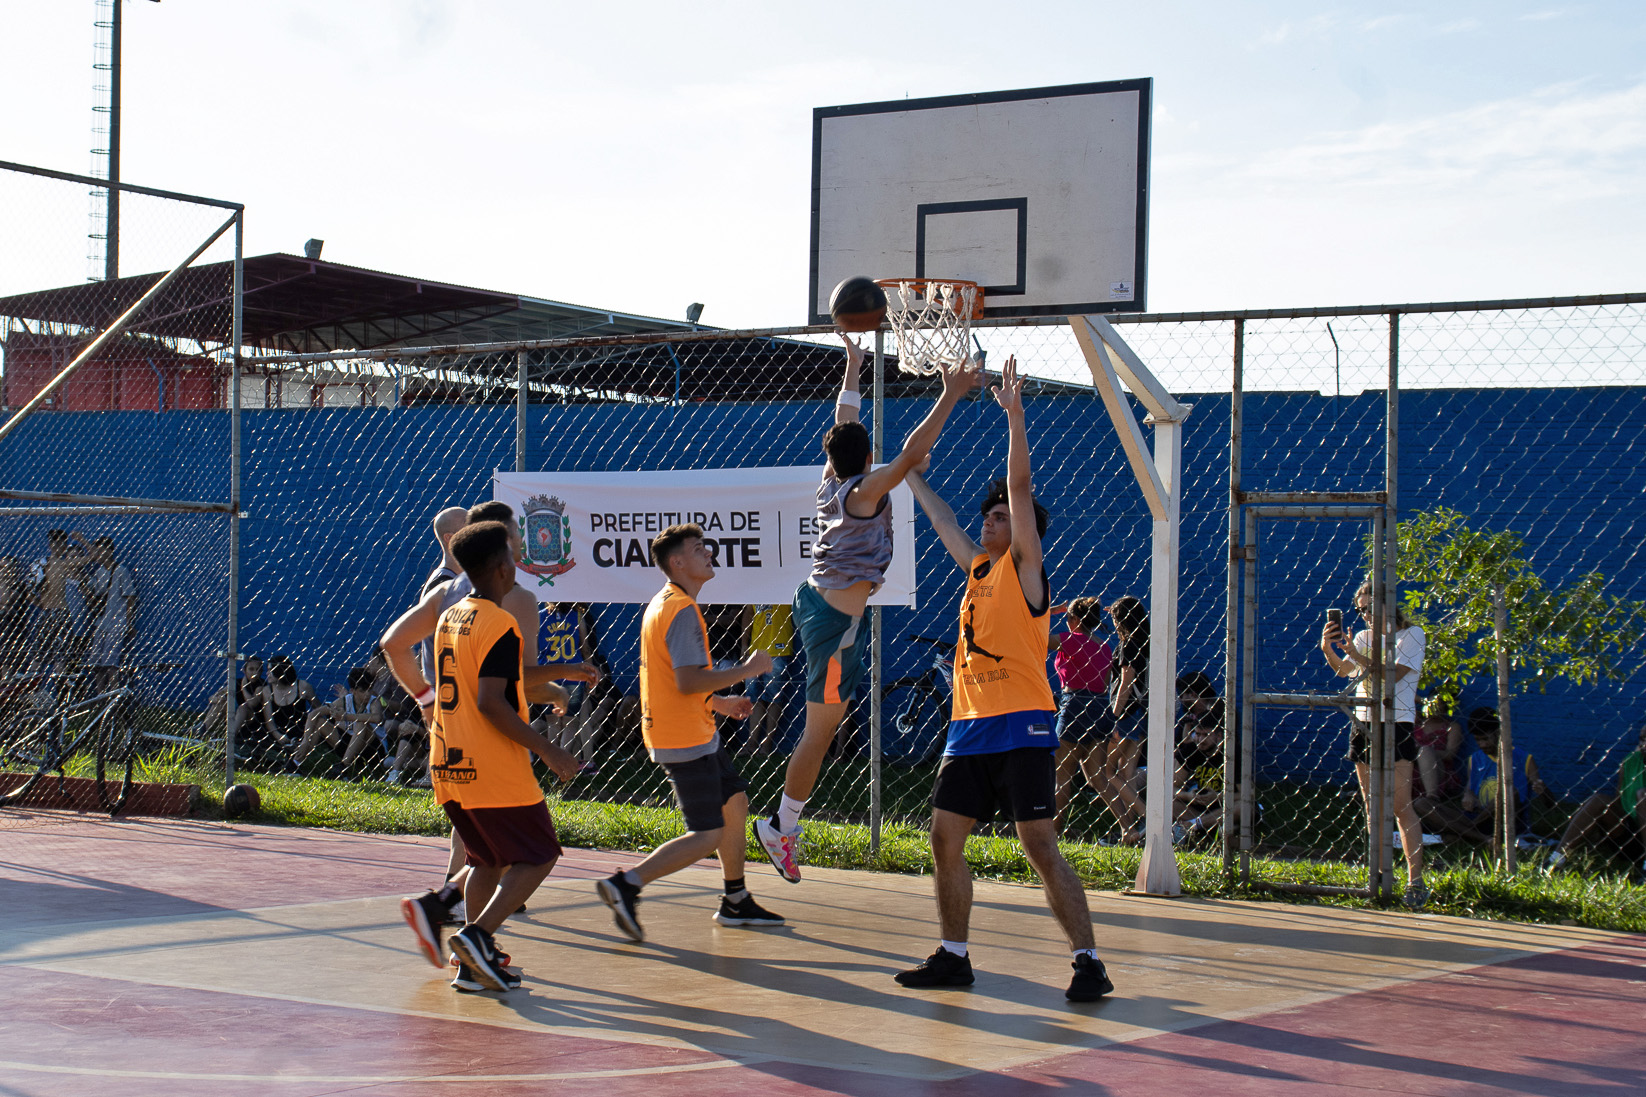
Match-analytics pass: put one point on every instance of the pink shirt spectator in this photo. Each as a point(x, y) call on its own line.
point(1083, 663)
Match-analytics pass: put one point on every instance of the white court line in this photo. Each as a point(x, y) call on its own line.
point(370, 1079)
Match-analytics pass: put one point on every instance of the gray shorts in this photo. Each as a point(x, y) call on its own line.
point(702, 786)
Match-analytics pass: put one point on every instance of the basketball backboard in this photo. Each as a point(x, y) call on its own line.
point(1038, 195)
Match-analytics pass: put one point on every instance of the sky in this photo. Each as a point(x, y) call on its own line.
point(641, 156)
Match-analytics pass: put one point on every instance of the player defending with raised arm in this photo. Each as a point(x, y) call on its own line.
point(999, 752)
point(849, 561)
point(677, 705)
point(480, 752)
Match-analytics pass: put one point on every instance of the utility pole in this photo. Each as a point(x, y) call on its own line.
point(111, 221)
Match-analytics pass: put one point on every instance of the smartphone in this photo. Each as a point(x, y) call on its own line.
point(1334, 617)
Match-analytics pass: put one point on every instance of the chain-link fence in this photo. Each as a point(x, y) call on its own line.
point(1515, 422)
point(115, 488)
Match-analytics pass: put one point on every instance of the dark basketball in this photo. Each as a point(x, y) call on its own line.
point(857, 304)
point(240, 800)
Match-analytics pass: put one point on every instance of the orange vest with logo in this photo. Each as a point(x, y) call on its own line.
point(470, 761)
point(1000, 661)
point(670, 719)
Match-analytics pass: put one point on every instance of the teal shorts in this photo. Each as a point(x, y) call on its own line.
point(834, 643)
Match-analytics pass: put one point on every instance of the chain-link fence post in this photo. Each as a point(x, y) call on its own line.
point(1237, 766)
point(231, 644)
point(877, 784)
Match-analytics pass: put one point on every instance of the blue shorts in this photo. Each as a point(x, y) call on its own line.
point(1084, 717)
point(771, 686)
point(1135, 724)
point(834, 643)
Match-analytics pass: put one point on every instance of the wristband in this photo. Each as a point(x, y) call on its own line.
point(849, 399)
point(426, 698)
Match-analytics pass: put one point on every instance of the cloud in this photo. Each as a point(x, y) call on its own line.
point(1571, 143)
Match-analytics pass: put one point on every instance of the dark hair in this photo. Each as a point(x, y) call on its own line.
point(1484, 721)
point(1129, 615)
point(478, 545)
point(1085, 612)
point(360, 678)
point(997, 496)
point(1196, 684)
point(847, 445)
point(103, 541)
point(669, 542)
point(57, 537)
point(494, 511)
point(1401, 620)
point(280, 669)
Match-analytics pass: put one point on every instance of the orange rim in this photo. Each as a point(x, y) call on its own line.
point(920, 285)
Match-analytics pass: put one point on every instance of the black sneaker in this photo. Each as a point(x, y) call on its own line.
point(469, 983)
point(1090, 982)
point(941, 969)
point(622, 896)
point(475, 948)
point(745, 912)
point(425, 914)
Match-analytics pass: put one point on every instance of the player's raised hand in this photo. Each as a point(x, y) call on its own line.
point(1009, 393)
point(854, 352)
point(959, 377)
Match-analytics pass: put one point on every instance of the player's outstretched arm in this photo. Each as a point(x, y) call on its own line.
point(958, 380)
point(708, 680)
point(1026, 552)
point(956, 540)
point(847, 407)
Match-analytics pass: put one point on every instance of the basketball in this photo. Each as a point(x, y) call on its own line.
point(857, 304)
point(240, 800)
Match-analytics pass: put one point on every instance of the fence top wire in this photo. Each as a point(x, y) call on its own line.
point(124, 188)
point(708, 335)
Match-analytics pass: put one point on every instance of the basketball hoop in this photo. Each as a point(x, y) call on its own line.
point(932, 320)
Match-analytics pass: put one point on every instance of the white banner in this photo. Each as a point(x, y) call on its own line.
point(587, 533)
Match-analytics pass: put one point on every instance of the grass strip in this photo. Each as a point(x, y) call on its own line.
point(1469, 887)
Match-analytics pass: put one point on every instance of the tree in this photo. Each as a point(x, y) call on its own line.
point(1451, 576)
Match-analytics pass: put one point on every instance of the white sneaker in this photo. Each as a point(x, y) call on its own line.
point(782, 847)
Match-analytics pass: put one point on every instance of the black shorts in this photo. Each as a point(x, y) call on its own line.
point(1405, 742)
point(1020, 784)
point(500, 837)
point(702, 786)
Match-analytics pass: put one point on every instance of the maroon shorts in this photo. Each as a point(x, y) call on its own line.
point(499, 837)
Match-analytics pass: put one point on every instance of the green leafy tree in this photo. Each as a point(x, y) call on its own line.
point(1451, 575)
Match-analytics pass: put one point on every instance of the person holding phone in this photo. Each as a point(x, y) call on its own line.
point(1352, 658)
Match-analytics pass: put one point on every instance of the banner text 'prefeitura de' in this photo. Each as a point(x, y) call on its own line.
point(587, 534)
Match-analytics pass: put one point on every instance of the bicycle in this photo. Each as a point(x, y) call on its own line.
point(921, 723)
point(63, 717)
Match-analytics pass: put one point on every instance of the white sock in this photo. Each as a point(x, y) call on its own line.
point(1079, 952)
point(957, 948)
point(788, 813)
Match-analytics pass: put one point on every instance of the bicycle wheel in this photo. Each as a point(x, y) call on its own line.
point(915, 721)
point(117, 741)
point(31, 753)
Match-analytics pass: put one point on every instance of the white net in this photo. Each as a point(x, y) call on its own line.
point(932, 321)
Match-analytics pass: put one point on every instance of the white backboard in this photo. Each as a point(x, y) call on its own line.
point(1038, 195)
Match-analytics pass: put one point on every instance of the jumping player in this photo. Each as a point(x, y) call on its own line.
point(480, 751)
point(999, 752)
point(849, 561)
point(678, 703)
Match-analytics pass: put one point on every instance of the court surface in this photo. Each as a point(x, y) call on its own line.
point(183, 958)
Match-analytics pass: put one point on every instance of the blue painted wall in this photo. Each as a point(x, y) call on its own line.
point(339, 499)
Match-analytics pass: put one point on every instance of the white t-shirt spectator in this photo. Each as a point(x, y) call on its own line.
point(1409, 646)
point(116, 586)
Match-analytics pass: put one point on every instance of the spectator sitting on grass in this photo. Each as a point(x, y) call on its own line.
point(1439, 744)
point(1198, 801)
point(1618, 820)
point(248, 704)
point(357, 714)
point(1474, 815)
point(287, 705)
